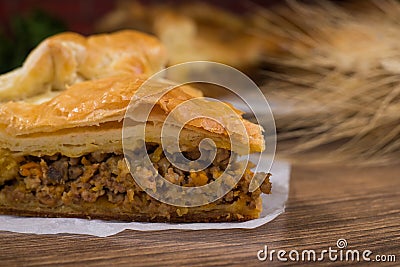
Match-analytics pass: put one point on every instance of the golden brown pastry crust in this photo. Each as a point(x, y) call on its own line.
point(68, 58)
point(101, 109)
point(217, 215)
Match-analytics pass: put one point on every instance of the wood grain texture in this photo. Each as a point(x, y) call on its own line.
point(361, 205)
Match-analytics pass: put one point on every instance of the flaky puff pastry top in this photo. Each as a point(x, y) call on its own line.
point(75, 117)
point(68, 58)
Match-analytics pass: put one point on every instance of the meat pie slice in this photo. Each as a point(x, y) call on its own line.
point(61, 148)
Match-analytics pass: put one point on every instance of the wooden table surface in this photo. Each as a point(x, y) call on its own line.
point(361, 205)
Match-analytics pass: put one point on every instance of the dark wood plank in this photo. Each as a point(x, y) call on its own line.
point(361, 205)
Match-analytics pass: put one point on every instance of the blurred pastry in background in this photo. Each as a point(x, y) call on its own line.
point(192, 31)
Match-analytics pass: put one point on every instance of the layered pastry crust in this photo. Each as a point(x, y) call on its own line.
point(61, 136)
point(102, 108)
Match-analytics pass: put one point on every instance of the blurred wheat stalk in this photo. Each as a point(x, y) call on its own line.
point(337, 68)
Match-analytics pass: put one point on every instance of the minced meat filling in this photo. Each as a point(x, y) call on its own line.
point(57, 180)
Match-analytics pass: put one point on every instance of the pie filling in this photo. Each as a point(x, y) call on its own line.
point(100, 183)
